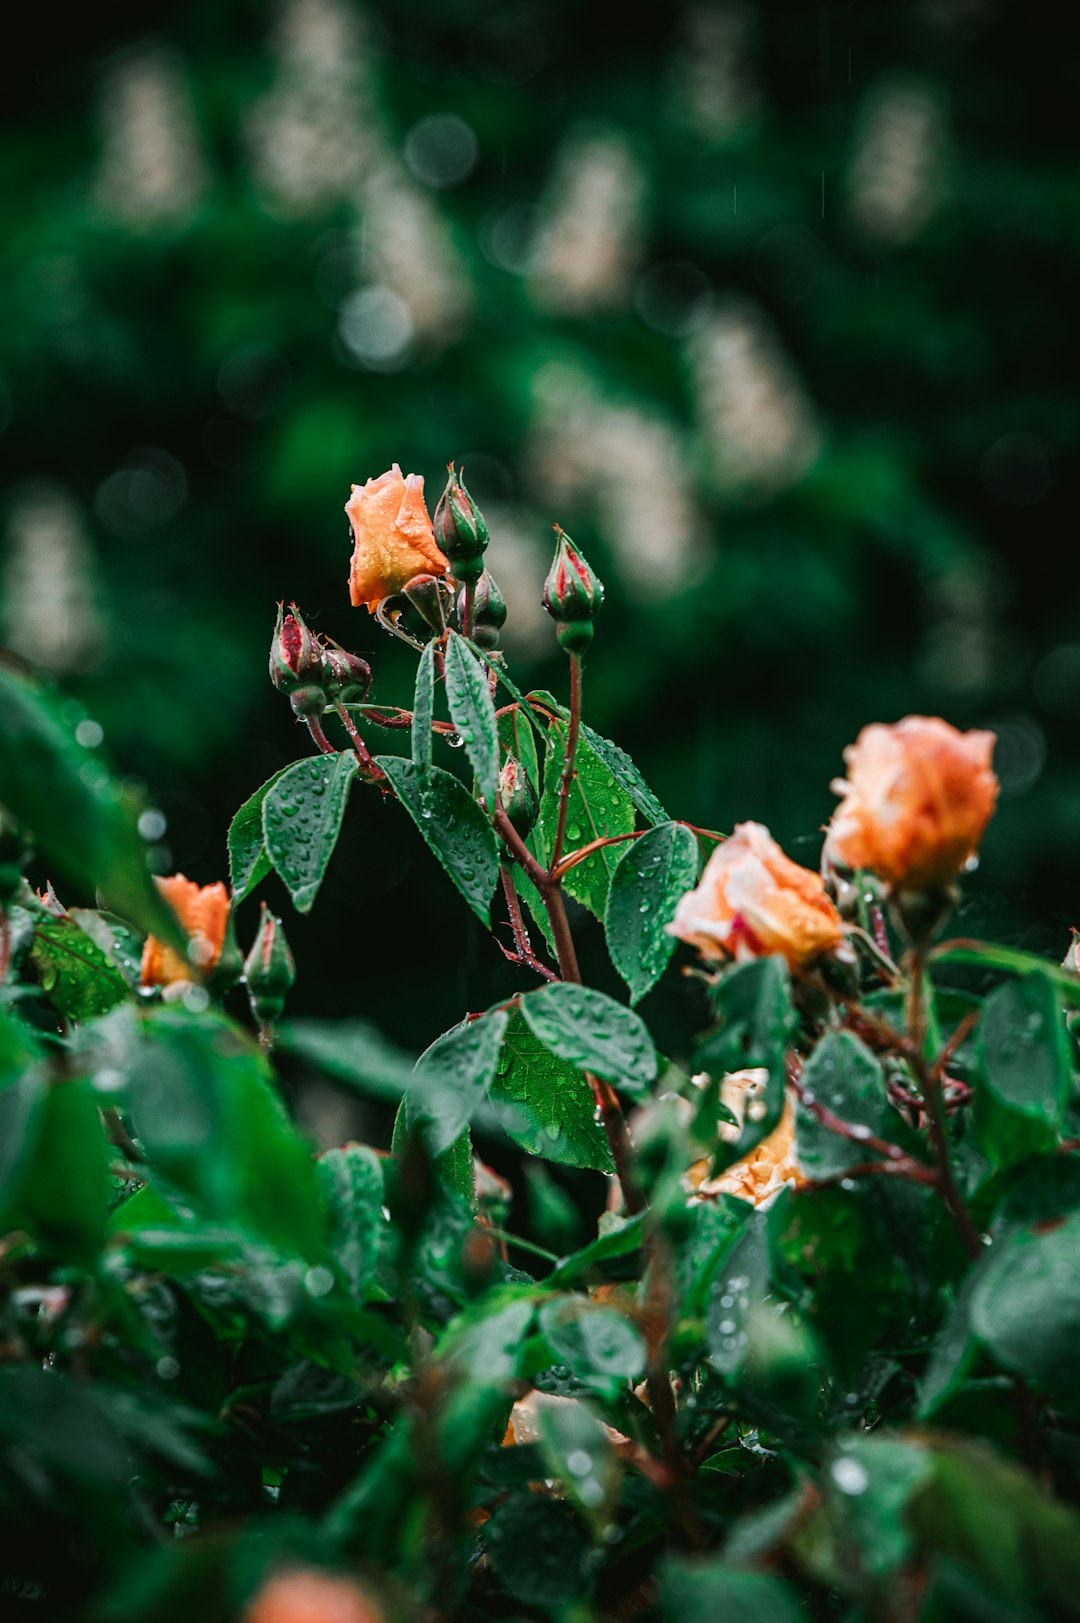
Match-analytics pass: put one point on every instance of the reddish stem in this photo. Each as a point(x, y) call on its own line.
point(363, 754)
point(569, 759)
point(524, 954)
point(319, 738)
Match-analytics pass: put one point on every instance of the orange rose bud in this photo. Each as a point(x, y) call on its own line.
point(309, 1596)
point(392, 537)
point(753, 900)
point(204, 913)
point(916, 800)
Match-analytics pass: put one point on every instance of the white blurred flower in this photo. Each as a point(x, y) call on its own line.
point(626, 465)
point(315, 132)
point(589, 237)
point(151, 169)
point(895, 181)
point(407, 245)
point(755, 417)
point(714, 88)
point(50, 614)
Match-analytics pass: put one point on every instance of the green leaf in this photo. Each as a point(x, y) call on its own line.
point(537, 1548)
point(80, 980)
point(64, 1191)
point(590, 1030)
point(595, 1343)
point(693, 1591)
point(626, 775)
point(487, 1344)
point(554, 1099)
point(302, 815)
point(843, 1076)
point(473, 713)
point(1025, 1306)
point(453, 827)
point(645, 889)
point(755, 1018)
point(84, 824)
point(737, 1290)
point(22, 1099)
point(205, 1110)
point(578, 1451)
point(423, 709)
point(621, 1240)
point(352, 1184)
point(249, 863)
point(1026, 1069)
point(988, 955)
point(453, 1076)
point(871, 1481)
point(350, 1052)
point(597, 806)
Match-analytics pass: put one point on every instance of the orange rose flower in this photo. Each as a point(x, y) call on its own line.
point(204, 913)
point(772, 1166)
point(753, 900)
point(392, 537)
point(917, 798)
point(309, 1596)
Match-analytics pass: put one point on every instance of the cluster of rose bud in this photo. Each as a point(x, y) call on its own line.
point(312, 671)
point(572, 595)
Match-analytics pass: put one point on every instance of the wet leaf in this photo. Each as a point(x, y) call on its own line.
point(453, 827)
point(590, 1030)
point(655, 872)
point(302, 815)
point(473, 713)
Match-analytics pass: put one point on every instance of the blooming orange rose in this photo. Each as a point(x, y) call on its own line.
point(917, 798)
point(753, 900)
point(204, 913)
point(309, 1596)
point(770, 1167)
point(392, 537)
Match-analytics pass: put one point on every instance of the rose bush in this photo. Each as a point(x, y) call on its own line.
point(780, 1322)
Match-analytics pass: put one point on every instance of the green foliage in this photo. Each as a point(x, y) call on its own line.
point(452, 825)
point(301, 816)
point(649, 880)
point(593, 1033)
point(472, 711)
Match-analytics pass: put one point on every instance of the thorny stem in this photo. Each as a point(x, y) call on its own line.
point(524, 953)
point(569, 759)
point(363, 754)
point(318, 737)
point(931, 1088)
point(572, 858)
point(470, 593)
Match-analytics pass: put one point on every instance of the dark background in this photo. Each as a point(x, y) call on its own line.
point(771, 306)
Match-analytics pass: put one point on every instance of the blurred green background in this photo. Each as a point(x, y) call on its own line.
point(771, 306)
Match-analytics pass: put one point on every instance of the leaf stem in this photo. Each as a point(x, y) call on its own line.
point(524, 953)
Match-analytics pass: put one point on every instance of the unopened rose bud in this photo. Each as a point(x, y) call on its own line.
point(269, 970)
point(460, 529)
point(296, 658)
point(308, 701)
point(229, 966)
point(572, 595)
point(346, 676)
point(488, 612)
point(424, 594)
point(517, 796)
